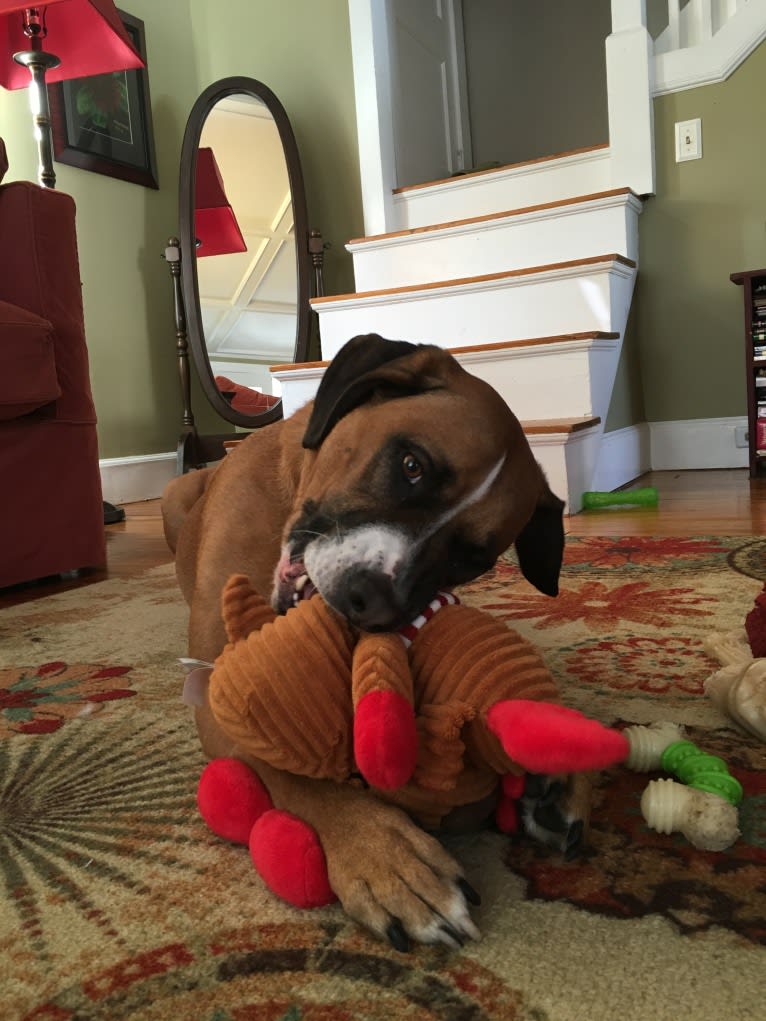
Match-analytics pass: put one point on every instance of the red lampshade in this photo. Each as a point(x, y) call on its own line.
point(86, 35)
point(215, 224)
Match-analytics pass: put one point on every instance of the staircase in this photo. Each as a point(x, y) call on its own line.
point(525, 274)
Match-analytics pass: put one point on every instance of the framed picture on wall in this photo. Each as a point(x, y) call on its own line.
point(104, 123)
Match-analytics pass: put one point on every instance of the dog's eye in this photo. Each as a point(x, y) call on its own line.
point(412, 468)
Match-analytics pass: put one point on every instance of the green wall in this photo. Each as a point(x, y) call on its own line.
point(520, 59)
point(301, 49)
point(684, 355)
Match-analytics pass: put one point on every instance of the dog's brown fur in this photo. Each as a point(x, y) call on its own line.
point(242, 515)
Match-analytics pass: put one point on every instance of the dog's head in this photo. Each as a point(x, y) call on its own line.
point(416, 477)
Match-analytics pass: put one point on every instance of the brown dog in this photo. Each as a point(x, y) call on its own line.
point(404, 476)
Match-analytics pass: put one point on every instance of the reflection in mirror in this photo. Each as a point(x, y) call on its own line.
point(242, 269)
point(246, 258)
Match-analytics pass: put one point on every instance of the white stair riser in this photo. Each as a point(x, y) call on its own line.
point(509, 188)
point(298, 387)
point(568, 459)
point(547, 236)
point(568, 380)
point(569, 463)
point(550, 381)
point(483, 312)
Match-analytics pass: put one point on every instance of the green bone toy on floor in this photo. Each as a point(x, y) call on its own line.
point(646, 496)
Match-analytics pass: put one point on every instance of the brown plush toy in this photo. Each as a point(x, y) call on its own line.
point(432, 717)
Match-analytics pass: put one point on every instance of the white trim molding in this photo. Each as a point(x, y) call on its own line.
point(697, 443)
point(713, 59)
point(371, 60)
point(136, 478)
point(623, 456)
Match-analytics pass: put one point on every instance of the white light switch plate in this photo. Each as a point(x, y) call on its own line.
point(688, 140)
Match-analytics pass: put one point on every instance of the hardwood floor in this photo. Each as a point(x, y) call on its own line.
point(713, 502)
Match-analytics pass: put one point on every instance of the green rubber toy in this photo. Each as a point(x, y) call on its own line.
point(647, 496)
point(704, 772)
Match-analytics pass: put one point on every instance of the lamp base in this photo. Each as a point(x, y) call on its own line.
point(39, 62)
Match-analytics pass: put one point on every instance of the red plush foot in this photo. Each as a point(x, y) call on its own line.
point(289, 858)
point(507, 812)
point(545, 738)
point(385, 739)
point(230, 798)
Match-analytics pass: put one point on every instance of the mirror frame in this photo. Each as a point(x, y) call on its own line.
point(190, 281)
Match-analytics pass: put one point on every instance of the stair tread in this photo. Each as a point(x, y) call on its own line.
point(559, 338)
point(487, 217)
point(507, 274)
point(533, 427)
point(537, 426)
point(498, 345)
point(496, 170)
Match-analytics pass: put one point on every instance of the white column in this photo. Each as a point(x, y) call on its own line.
point(674, 24)
point(370, 52)
point(629, 74)
point(703, 21)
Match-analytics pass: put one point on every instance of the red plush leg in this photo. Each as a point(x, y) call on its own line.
point(507, 812)
point(230, 798)
point(288, 856)
point(385, 739)
point(545, 738)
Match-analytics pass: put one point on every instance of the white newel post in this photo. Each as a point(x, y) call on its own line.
point(629, 76)
point(370, 53)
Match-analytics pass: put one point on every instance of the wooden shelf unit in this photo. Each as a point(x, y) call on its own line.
point(753, 283)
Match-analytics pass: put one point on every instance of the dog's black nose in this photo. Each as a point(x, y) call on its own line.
point(366, 598)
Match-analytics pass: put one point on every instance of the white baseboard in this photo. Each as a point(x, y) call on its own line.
point(624, 455)
point(132, 479)
point(696, 443)
point(667, 446)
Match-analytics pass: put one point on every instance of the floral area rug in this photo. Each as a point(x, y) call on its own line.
point(116, 902)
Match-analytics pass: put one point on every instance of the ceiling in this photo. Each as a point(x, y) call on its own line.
point(248, 299)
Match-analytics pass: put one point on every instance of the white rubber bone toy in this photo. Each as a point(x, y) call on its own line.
point(708, 821)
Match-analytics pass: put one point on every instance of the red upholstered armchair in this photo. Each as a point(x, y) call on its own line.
point(51, 510)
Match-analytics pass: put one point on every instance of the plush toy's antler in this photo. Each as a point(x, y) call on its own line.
point(242, 609)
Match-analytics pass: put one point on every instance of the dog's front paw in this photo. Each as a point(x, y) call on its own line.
point(398, 881)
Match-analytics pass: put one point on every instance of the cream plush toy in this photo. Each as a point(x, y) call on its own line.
point(739, 687)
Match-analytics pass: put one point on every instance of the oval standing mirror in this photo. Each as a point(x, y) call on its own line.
point(245, 262)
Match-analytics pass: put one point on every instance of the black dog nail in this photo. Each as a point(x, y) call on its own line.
point(468, 892)
point(453, 934)
point(397, 937)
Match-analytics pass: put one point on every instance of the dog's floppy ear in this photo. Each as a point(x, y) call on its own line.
point(540, 544)
point(363, 366)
